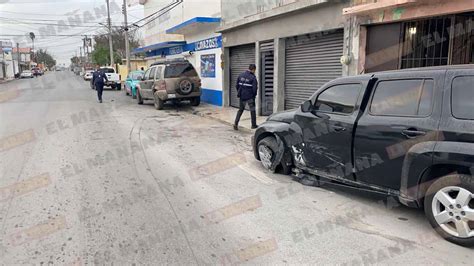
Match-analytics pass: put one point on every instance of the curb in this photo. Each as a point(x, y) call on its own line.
point(199, 113)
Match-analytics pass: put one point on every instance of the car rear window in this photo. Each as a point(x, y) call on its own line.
point(410, 97)
point(180, 70)
point(137, 76)
point(108, 70)
point(462, 97)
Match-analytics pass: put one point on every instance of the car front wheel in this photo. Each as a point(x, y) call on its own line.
point(139, 97)
point(449, 206)
point(267, 151)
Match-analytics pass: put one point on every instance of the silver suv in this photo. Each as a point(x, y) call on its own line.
point(174, 80)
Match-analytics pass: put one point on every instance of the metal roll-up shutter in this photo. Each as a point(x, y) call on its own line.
point(240, 59)
point(267, 62)
point(311, 61)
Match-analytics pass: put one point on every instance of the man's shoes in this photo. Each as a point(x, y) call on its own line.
point(100, 101)
point(254, 126)
point(236, 127)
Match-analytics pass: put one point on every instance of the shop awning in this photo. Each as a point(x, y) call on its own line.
point(194, 25)
point(157, 46)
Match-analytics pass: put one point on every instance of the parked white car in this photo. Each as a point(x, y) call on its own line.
point(88, 75)
point(114, 79)
point(26, 74)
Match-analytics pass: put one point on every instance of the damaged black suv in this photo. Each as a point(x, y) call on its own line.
point(407, 134)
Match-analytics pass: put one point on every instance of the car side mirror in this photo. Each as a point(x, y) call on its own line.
point(307, 106)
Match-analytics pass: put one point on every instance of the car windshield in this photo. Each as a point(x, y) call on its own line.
point(180, 70)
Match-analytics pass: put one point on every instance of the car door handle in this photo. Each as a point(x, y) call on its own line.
point(338, 128)
point(412, 133)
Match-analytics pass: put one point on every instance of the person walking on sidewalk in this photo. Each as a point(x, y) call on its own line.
point(246, 92)
point(98, 79)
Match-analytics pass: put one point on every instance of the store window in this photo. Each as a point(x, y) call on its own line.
point(426, 42)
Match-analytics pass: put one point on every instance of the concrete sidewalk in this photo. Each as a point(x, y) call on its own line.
point(226, 115)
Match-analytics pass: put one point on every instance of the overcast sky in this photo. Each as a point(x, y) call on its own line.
point(19, 17)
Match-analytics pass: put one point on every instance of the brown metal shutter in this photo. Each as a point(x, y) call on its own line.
point(240, 59)
point(311, 61)
point(267, 61)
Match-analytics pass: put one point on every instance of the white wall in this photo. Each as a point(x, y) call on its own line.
point(155, 32)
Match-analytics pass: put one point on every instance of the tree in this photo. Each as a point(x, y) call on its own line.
point(100, 55)
point(42, 56)
point(75, 60)
point(118, 42)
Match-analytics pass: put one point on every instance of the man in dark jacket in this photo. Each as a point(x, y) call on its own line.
point(246, 92)
point(98, 79)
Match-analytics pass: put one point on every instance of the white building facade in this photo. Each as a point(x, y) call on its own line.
point(187, 29)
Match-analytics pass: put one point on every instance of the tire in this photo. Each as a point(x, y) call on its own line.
point(269, 144)
point(454, 224)
point(158, 102)
point(139, 98)
point(196, 101)
point(184, 86)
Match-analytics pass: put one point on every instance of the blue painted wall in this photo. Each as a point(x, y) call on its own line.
point(211, 96)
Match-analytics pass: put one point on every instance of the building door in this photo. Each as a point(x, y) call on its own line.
point(311, 61)
point(240, 59)
point(266, 80)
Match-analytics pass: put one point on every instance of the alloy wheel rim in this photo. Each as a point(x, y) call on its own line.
point(265, 154)
point(186, 86)
point(453, 211)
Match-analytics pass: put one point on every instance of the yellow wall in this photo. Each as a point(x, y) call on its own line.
point(135, 65)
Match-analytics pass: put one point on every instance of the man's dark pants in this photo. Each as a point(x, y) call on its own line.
point(253, 115)
point(100, 88)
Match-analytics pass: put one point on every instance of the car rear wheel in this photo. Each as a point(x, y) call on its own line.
point(139, 97)
point(158, 102)
point(449, 207)
point(196, 101)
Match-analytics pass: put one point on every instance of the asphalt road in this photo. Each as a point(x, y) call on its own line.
point(89, 183)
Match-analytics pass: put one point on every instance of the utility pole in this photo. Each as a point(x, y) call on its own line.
point(80, 58)
point(19, 56)
point(110, 35)
point(127, 44)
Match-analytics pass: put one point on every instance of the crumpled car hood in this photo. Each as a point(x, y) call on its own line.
point(285, 117)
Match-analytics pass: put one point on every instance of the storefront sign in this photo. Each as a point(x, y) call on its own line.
point(211, 43)
point(208, 65)
point(176, 50)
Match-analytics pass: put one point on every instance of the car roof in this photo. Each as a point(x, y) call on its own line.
point(170, 61)
point(433, 68)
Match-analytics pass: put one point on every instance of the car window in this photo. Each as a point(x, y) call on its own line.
point(152, 73)
point(180, 70)
point(462, 97)
point(411, 97)
point(147, 74)
point(338, 99)
point(108, 70)
point(136, 76)
point(158, 73)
